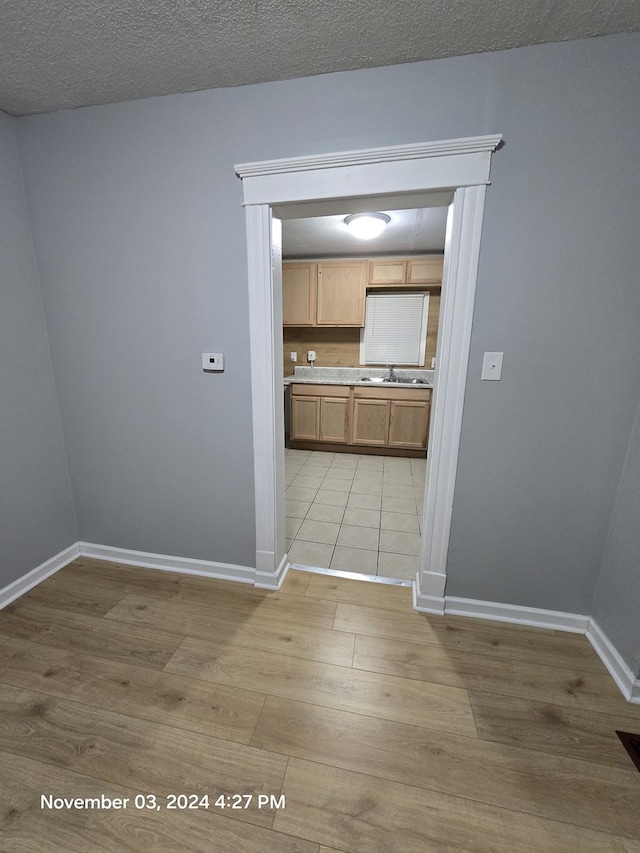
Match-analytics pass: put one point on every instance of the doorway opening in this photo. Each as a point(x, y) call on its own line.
point(305, 186)
point(357, 414)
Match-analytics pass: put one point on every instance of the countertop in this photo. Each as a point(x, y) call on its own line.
point(356, 376)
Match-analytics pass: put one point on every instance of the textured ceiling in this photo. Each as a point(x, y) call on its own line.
point(59, 54)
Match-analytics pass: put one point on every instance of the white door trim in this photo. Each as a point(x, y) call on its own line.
point(461, 165)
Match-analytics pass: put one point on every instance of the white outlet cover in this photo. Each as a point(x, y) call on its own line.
point(492, 366)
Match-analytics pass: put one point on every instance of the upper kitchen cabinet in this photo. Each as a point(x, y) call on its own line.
point(299, 294)
point(341, 289)
point(425, 270)
point(329, 293)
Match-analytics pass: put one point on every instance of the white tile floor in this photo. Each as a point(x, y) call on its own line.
point(354, 513)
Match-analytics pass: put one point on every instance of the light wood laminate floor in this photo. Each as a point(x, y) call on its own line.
point(385, 730)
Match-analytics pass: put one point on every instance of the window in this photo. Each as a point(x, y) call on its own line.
point(395, 329)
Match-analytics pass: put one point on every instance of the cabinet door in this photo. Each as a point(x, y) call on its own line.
point(425, 270)
point(334, 425)
point(370, 422)
point(341, 291)
point(408, 424)
point(387, 272)
point(298, 294)
point(305, 418)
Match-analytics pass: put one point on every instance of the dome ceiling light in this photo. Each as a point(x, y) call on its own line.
point(366, 226)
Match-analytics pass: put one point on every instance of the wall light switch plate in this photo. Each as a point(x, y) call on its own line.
point(294, 356)
point(213, 361)
point(492, 365)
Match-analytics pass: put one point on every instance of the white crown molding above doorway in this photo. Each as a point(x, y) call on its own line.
point(461, 165)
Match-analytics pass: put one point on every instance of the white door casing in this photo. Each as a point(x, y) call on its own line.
point(461, 165)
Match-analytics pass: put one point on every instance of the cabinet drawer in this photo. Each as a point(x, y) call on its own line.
point(387, 393)
point(317, 390)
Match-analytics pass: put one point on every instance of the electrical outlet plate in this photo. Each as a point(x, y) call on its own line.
point(492, 365)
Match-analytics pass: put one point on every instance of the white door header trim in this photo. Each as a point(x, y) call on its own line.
point(393, 153)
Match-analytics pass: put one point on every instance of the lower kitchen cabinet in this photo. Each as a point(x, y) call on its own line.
point(320, 413)
point(305, 418)
point(408, 423)
point(370, 422)
point(394, 418)
point(334, 420)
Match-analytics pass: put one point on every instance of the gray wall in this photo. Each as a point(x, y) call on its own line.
point(140, 240)
point(37, 518)
point(616, 606)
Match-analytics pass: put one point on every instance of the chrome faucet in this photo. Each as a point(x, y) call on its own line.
point(391, 377)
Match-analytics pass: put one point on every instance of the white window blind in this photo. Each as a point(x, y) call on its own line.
point(395, 328)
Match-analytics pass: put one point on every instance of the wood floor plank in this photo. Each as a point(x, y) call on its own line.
point(564, 789)
point(238, 598)
point(91, 599)
point(287, 609)
point(296, 582)
point(26, 827)
point(468, 635)
point(127, 579)
point(354, 812)
point(555, 729)
point(251, 632)
point(149, 757)
point(149, 647)
point(162, 697)
point(385, 696)
point(573, 687)
point(381, 595)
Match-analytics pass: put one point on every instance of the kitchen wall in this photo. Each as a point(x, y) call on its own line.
point(37, 518)
point(336, 347)
point(140, 239)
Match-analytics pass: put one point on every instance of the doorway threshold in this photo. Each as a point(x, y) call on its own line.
point(355, 576)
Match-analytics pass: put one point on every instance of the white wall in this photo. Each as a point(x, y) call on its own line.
point(37, 518)
point(140, 241)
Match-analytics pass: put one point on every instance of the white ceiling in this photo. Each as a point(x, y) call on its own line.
point(409, 231)
point(59, 54)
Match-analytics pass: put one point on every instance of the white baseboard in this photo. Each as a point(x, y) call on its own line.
point(166, 563)
point(531, 616)
point(534, 617)
point(424, 603)
point(267, 580)
point(611, 658)
point(35, 576)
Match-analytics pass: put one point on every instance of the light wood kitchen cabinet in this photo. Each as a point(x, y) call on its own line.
point(341, 291)
point(425, 270)
point(408, 423)
point(370, 422)
point(299, 294)
point(330, 293)
point(305, 418)
point(355, 415)
point(320, 413)
point(334, 419)
point(392, 272)
point(387, 271)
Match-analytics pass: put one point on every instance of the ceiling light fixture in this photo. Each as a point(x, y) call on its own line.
point(366, 226)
